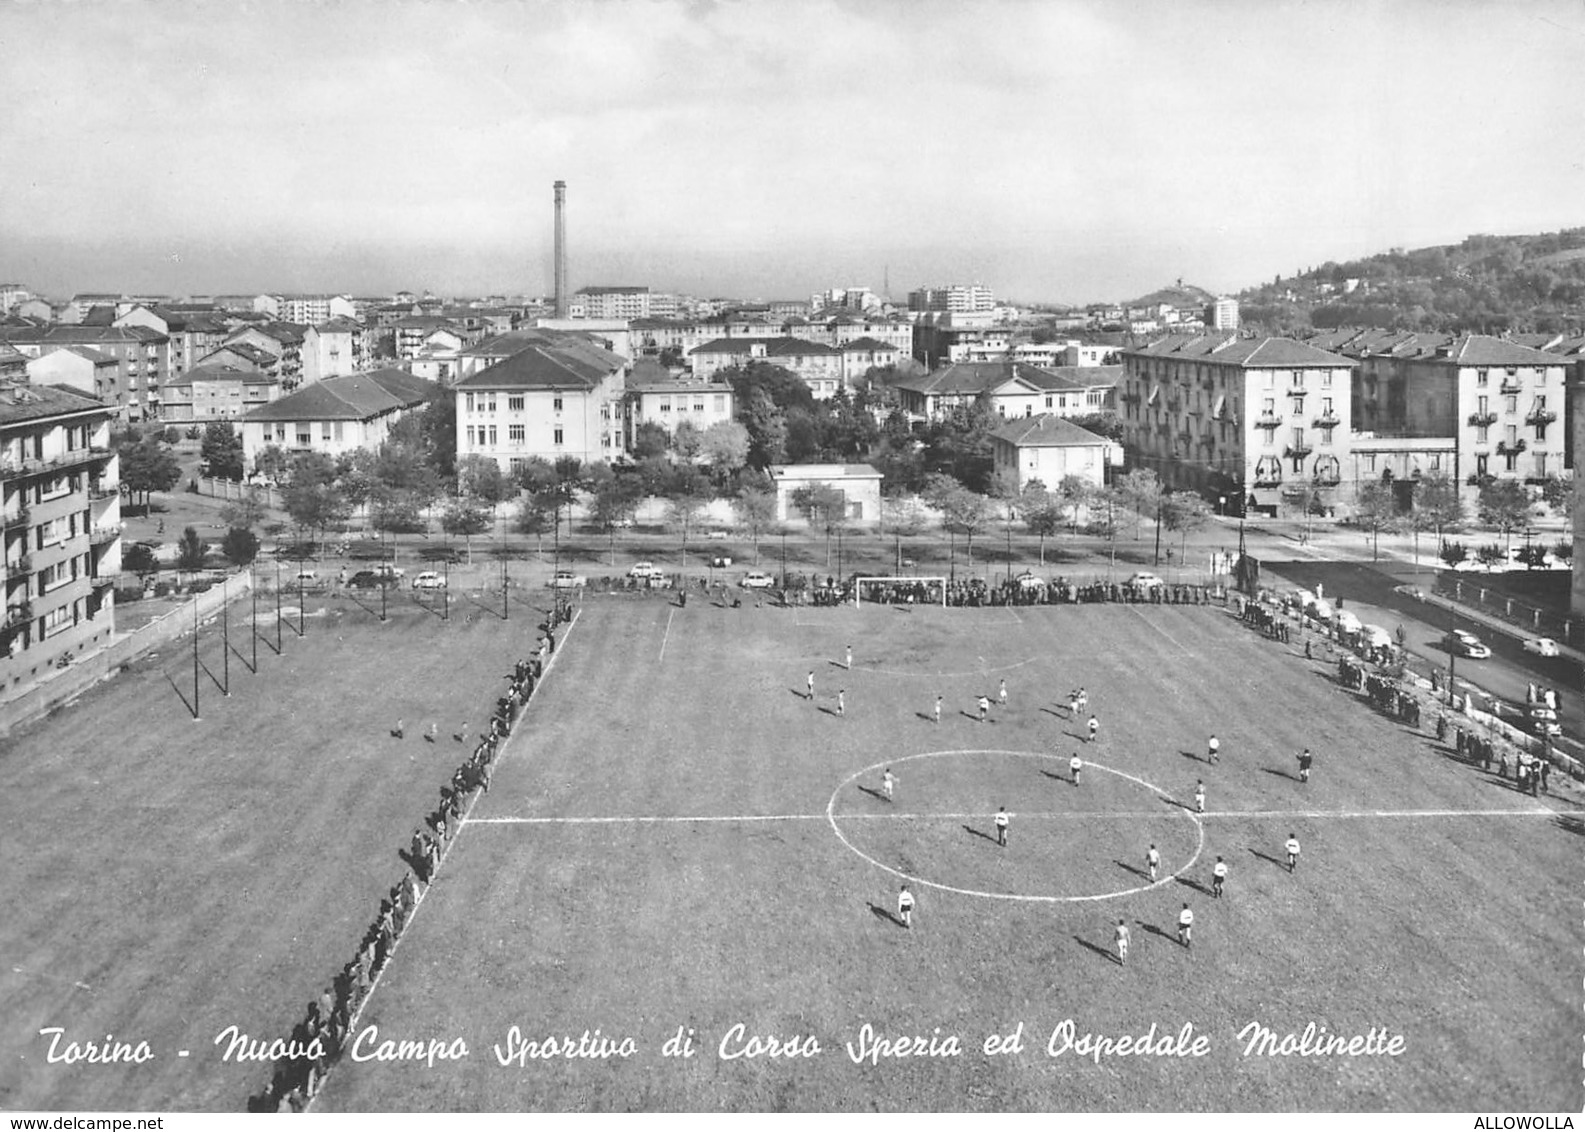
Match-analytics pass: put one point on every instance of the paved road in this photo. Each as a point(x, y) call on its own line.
point(1370, 593)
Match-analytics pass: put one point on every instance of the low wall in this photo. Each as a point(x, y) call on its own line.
point(66, 684)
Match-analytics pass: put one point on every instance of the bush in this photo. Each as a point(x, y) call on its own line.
point(200, 585)
point(1453, 552)
point(128, 594)
point(1490, 555)
point(162, 589)
point(194, 433)
point(1563, 550)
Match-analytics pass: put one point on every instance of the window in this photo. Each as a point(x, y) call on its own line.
point(1513, 434)
point(1480, 377)
point(1540, 465)
point(324, 432)
point(665, 406)
point(556, 437)
point(698, 406)
point(514, 404)
point(1513, 403)
point(280, 433)
point(1436, 461)
point(1482, 434)
point(468, 403)
point(489, 402)
point(54, 531)
point(1326, 379)
point(1048, 401)
point(1540, 403)
point(1268, 406)
point(57, 619)
point(514, 434)
point(1326, 406)
point(491, 441)
point(1482, 405)
point(556, 404)
point(337, 430)
point(1370, 462)
point(470, 436)
point(1480, 466)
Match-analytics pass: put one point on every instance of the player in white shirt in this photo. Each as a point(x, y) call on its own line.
point(1199, 796)
point(1153, 861)
point(1084, 699)
point(1001, 826)
point(850, 658)
point(938, 707)
point(1095, 726)
point(985, 708)
point(809, 682)
point(842, 701)
point(1001, 693)
point(1073, 704)
point(1185, 925)
point(905, 907)
point(1293, 851)
point(1122, 942)
point(1075, 764)
point(1213, 749)
point(1218, 878)
point(888, 780)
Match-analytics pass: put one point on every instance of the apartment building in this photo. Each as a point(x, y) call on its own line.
point(818, 365)
point(335, 415)
point(60, 530)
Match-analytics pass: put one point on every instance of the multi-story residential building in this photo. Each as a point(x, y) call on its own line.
point(784, 309)
point(87, 371)
point(657, 398)
point(845, 298)
point(142, 355)
point(1223, 314)
point(13, 295)
point(216, 393)
point(1254, 422)
point(241, 355)
point(282, 339)
point(651, 337)
point(331, 349)
point(860, 355)
point(60, 530)
point(548, 400)
point(940, 338)
point(624, 303)
point(335, 415)
point(78, 307)
point(1475, 406)
point(437, 360)
point(818, 365)
point(191, 334)
point(39, 310)
point(958, 298)
point(413, 331)
point(1049, 449)
point(845, 328)
point(1011, 389)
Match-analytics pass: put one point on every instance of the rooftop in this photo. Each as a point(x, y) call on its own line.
point(1047, 430)
point(352, 397)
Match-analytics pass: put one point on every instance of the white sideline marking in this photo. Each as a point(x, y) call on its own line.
point(1156, 627)
point(667, 636)
point(684, 819)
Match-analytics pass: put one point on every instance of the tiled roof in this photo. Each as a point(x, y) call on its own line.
point(99, 359)
point(1485, 350)
point(546, 367)
point(774, 347)
point(870, 344)
point(1047, 430)
point(352, 397)
point(965, 378)
point(1250, 353)
point(220, 372)
point(21, 403)
point(822, 471)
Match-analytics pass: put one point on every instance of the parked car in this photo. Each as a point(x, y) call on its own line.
point(567, 580)
point(429, 580)
point(1028, 581)
point(717, 536)
point(1374, 636)
point(755, 580)
point(660, 580)
point(1541, 646)
point(642, 570)
point(370, 579)
point(1461, 643)
point(1321, 610)
point(1542, 720)
point(305, 578)
point(389, 571)
point(1349, 622)
point(1145, 581)
point(721, 561)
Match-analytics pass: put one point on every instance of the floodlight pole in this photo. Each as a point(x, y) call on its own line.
point(225, 636)
point(277, 607)
point(302, 600)
point(384, 578)
point(195, 658)
point(506, 611)
point(253, 634)
point(445, 590)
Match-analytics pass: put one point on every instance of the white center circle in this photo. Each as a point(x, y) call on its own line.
point(873, 772)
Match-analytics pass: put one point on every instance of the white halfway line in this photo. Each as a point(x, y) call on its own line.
point(663, 819)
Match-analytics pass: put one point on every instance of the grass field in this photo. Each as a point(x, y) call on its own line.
point(680, 839)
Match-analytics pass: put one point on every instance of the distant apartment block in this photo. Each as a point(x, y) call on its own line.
point(623, 303)
point(661, 400)
point(13, 295)
point(60, 530)
point(332, 348)
point(1223, 314)
point(844, 298)
point(84, 370)
point(142, 356)
point(1010, 389)
point(216, 393)
point(955, 298)
point(819, 366)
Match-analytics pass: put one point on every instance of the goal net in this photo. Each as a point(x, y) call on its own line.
point(909, 590)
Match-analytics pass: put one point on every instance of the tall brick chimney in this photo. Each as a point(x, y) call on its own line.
point(561, 249)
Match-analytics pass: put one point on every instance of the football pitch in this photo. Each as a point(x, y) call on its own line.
point(681, 890)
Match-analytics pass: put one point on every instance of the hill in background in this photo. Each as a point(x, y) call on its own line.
point(1486, 284)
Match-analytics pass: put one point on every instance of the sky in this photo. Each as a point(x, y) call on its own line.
point(1055, 151)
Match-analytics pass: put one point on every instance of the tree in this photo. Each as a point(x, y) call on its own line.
point(650, 439)
point(1184, 511)
point(687, 441)
point(311, 496)
point(190, 551)
point(1505, 504)
point(1558, 494)
point(141, 560)
point(1042, 513)
point(766, 425)
point(221, 451)
point(686, 493)
point(272, 463)
point(756, 510)
point(148, 466)
point(480, 478)
point(1437, 504)
point(466, 518)
point(825, 506)
point(246, 511)
point(534, 517)
point(1075, 493)
point(1141, 491)
point(240, 546)
point(1376, 510)
point(725, 446)
point(964, 512)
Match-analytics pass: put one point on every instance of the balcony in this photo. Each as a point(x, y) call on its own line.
point(1174, 405)
point(19, 568)
point(98, 494)
point(1328, 419)
point(1295, 391)
point(1268, 479)
point(1540, 417)
point(103, 533)
point(1327, 479)
point(1506, 449)
point(18, 614)
point(1131, 398)
point(1480, 479)
point(1268, 420)
point(1482, 420)
point(1510, 385)
point(37, 465)
point(20, 521)
point(100, 581)
point(1296, 451)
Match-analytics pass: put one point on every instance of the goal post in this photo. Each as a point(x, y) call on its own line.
point(910, 589)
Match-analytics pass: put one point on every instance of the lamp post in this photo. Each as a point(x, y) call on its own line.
point(383, 578)
point(195, 658)
point(784, 558)
point(225, 637)
point(253, 633)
